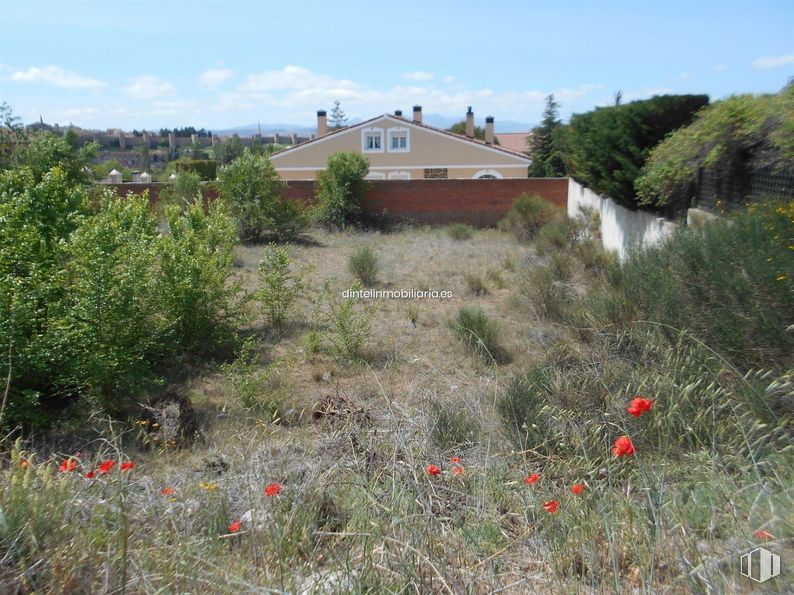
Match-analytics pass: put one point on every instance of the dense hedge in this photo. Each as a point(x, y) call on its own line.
point(606, 148)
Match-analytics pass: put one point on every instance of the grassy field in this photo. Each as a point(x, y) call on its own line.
point(347, 406)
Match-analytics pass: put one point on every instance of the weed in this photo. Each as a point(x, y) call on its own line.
point(363, 265)
point(459, 231)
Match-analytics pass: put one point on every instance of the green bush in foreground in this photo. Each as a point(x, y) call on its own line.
point(363, 265)
point(340, 188)
point(252, 189)
point(527, 215)
point(459, 231)
point(479, 333)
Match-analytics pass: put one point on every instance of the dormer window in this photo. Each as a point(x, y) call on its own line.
point(372, 140)
point(399, 141)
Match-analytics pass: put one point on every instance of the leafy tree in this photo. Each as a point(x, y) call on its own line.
point(229, 149)
point(338, 116)
point(186, 188)
point(341, 186)
point(253, 191)
point(45, 150)
point(606, 148)
point(543, 140)
point(736, 136)
point(12, 134)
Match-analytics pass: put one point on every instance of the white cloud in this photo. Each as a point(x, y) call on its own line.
point(293, 78)
point(773, 62)
point(214, 77)
point(55, 75)
point(686, 76)
point(418, 75)
point(449, 78)
point(295, 93)
point(720, 68)
point(149, 87)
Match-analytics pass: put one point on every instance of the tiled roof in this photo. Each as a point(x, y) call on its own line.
point(515, 141)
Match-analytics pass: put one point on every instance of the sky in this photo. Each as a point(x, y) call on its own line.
point(204, 63)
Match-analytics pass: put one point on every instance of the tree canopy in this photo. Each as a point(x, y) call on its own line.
point(736, 136)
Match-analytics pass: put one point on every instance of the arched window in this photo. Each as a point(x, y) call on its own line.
point(487, 174)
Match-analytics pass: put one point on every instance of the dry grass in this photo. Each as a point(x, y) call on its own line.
point(358, 512)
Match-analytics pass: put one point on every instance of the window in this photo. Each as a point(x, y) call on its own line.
point(376, 175)
point(399, 141)
point(399, 175)
point(372, 140)
point(488, 174)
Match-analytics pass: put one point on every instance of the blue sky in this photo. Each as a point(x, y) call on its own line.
point(220, 64)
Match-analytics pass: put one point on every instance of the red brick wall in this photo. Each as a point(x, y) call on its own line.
point(478, 202)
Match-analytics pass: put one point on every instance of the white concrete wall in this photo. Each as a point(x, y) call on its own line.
point(621, 228)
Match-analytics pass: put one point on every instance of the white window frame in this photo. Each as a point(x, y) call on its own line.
point(376, 175)
point(400, 175)
point(402, 131)
point(371, 132)
point(488, 172)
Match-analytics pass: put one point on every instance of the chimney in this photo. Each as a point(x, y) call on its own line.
point(398, 113)
point(322, 123)
point(489, 130)
point(418, 114)
point(470, 123)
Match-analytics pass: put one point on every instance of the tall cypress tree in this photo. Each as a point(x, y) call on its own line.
point(542, 150)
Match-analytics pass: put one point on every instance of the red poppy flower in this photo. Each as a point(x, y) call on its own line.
point(640, 405)
point(90, 475)
point(765, 535)
point(433, 470)
point(458, 470)
point(24, 463)
point(577, 488)
point(551, 506)
point(106, 466)
point(167, 491)
point(235, 527)
point(455, 460)
point(532, 479)
point(126, 466)
point(68, 465)
point(623, 446)
point(272, 489)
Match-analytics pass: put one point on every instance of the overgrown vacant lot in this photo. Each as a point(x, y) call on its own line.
point(378, 446)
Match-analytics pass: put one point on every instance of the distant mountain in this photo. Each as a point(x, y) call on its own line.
point(436, 120)
point(267, 129)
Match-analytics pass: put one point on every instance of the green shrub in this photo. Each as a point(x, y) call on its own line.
point(520, 407)
point(363, 265)
point(459, 231)
point(453, 427)
point(546, 289)
point(347, 325)
point(194, 287)
point(278, 287)
point(555, 236)
point(252, 189)
point(527, 215)
point(479, 333)
point(340, 189)
point(185, 188)
point(206, 169)
point(475, 284)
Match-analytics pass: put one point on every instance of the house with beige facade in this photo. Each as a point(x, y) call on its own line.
point(403, 149)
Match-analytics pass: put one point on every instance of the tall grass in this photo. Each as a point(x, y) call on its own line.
point(480, 334)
